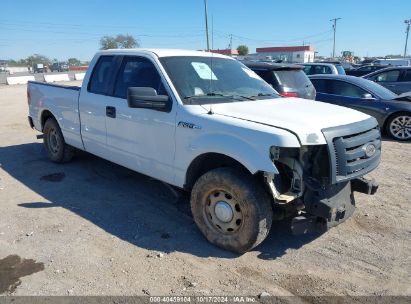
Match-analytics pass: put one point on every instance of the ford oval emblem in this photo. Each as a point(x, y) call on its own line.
point(369, 150)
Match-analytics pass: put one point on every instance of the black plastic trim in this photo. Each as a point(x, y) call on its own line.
point(30, 122)
point(343, 164)
point(75, 88)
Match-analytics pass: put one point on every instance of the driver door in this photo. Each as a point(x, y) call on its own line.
point(138, 138)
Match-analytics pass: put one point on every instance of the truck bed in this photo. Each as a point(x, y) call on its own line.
point(62, 102)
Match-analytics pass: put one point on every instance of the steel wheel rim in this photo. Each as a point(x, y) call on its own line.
point(53, 142)
point(223, 212)
point(400, 127)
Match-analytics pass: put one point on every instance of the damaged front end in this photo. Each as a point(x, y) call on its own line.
point(316, 184)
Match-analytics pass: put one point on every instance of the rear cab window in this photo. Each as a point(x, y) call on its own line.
point(103, 75)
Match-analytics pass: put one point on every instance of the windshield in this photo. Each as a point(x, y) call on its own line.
point(202, 80)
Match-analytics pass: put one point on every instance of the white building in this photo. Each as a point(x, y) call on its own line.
point(297, 54)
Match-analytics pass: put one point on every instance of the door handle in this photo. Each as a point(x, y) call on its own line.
point(111, 112)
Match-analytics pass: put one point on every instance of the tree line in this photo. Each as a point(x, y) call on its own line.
point(38, 58)
point(119, 41)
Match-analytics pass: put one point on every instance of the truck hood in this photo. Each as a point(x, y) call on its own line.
point(304, 118)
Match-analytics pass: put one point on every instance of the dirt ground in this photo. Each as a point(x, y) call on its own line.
point(93, 228)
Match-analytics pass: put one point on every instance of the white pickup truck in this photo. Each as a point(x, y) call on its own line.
point(205, 123)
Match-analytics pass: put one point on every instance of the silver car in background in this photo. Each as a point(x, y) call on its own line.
point(317, 68)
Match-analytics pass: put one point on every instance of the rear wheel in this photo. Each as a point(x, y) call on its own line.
point(231, 209)
point(57, 149)
point(399, 126)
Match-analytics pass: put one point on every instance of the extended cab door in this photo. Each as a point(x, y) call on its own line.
point(94, 100)
point(138, 138)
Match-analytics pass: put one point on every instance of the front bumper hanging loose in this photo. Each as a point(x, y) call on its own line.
point(330, 207)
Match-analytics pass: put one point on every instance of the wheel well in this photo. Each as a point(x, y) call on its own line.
point(44, 116)
point(391, 116)
point(206, 162)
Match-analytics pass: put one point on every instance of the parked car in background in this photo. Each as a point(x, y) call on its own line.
point(396, 62)
point(39, 68)
point(323, 68)
point(393, 112)
point(365, 69)
point(345, 64)
point(59, 67)
point(288, 80)
point(367, 61)
point(396, 79)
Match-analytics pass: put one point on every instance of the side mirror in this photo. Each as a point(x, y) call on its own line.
point(147, 98)
point(367, 96)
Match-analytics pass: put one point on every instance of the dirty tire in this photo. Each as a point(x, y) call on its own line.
point(57, 149)
point(399, 126)
point(254, 209)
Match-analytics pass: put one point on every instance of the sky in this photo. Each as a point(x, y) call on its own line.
point(73, 28)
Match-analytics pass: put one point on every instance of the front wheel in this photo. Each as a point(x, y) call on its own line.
point(399, 126)
point(231, 209)
point(57, 149)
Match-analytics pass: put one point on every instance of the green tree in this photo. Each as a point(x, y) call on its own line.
point(37, 58)
point(118, 42)
point(126, 42)
point(73, 62)
point(242, 50)
point(108, 42)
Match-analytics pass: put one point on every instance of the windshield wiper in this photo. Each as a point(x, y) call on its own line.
point(262, 95)
point(219, 95)
point(204, 95)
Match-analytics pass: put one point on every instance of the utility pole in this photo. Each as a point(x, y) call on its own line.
point(230, 45)
point(206, 24)
point(335, 29)
point(407, 31)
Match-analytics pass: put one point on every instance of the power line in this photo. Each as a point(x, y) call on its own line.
point(99, 34)
point(106, 26)
point(238, 37)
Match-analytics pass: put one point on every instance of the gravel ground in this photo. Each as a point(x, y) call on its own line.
point(94, 228)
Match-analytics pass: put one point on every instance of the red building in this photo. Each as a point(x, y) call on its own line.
point(300, 54)
point(228, 52)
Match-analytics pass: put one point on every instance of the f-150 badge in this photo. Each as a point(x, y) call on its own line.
point(188, 125)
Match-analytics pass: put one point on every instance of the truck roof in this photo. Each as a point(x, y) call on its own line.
point(161, 52)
